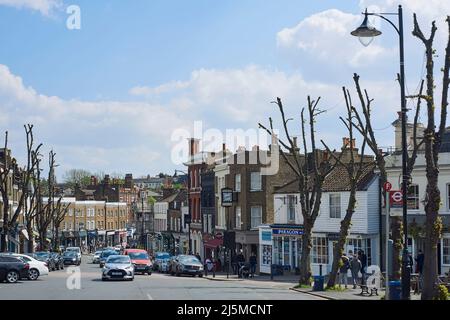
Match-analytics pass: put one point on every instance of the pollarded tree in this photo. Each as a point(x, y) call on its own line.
point(355, 169)
point(22, 177)
point(433, 141)
point(310, 168)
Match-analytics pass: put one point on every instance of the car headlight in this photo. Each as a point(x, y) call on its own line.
point(201, 268)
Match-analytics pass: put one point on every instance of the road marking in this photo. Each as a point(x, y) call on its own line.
point(149, 296)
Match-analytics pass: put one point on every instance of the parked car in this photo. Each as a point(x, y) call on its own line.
point(46, 257)
point(75, 249)
point(96, 258)
point(140, 260)
point(58, 260)
point(71, 258)
point(37, 268)
point(184, 264)
point(160, 257)
point(118, 267)
point(105, 254)
point(12, 269)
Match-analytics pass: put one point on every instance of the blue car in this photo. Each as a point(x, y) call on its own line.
point(161, 259)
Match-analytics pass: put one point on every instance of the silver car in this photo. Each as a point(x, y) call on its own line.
point(96, 258)
point(118, 268)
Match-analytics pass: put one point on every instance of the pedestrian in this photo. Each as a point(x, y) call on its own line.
point(419, 262)
point(343, 270)
point(253, 263)
point(363, 259)
point(234, 263)
point(355, 267)
point(197, 255)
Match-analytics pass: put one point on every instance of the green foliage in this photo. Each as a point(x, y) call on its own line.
point(442, 293)
point(337, 288)
point(302, 286)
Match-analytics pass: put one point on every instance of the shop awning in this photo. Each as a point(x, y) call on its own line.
point(214, 243)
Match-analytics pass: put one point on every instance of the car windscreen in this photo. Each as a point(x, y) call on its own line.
point(73, 249)
point(70, 254)
point(138, 255)
point(189, 260)
point(108, 253)
point(162, 256)
point(118, 259)
point(43, 255)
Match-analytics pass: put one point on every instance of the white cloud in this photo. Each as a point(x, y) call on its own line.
point(45, 7)
point(118, 136)
point(326, 37)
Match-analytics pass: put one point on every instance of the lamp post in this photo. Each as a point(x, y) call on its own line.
point(366, 33)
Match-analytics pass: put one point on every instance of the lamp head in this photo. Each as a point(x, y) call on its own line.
point(366, 31)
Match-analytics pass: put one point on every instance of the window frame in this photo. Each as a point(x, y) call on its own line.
point(332, 207)
point(252, 217)
point(252, 181)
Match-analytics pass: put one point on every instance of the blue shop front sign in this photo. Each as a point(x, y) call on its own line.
point(287, 231)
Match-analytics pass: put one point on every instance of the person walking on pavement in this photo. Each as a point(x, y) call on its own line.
point(197, 255)
point(253, 263)
point(343, 270)
point(355, 267)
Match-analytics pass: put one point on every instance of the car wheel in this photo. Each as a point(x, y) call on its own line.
point(33, 274)
point(200, 276)
point(12, 276)
point(149, 273)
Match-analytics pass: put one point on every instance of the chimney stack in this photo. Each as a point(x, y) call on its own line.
point(193, 146)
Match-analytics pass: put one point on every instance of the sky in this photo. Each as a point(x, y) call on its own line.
point(116, 94)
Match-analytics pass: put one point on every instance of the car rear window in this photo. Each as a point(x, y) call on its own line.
point(9, 259)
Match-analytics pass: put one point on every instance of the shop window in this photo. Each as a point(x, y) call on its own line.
point(413, 197)
point(335, 206)
point(320, 250)
point(286, 251)
point(266, 255)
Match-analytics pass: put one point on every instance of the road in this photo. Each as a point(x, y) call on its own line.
point(87, 285)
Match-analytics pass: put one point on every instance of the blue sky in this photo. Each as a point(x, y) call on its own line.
point(109, 96)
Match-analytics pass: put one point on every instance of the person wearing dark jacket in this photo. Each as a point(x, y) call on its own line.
point(343, 277)
point(253, 263)
point(419, 262)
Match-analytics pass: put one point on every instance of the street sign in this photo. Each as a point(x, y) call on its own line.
point(396, 199)
point(396, 203)
point(387, 186)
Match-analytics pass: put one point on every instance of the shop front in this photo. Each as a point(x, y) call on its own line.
point(280, 246)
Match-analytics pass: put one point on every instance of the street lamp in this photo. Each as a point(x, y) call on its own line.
point(142, 234)
point(366, 33)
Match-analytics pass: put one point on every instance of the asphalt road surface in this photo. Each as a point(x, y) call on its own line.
point(86, 284)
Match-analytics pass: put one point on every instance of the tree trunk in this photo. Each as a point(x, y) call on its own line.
point(433, 228)
point(397, 237)
point(56, 239)
point(30, 247)
point(305, 261)
point(343, 234)
point(5, 230)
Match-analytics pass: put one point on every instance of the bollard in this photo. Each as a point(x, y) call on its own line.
point(271, 272)
point(320, 270)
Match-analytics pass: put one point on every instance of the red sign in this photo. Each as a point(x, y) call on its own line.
point(387, 186)
point(396, 199)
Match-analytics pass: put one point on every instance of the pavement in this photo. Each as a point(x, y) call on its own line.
point(84, 283)
point(291, 282)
